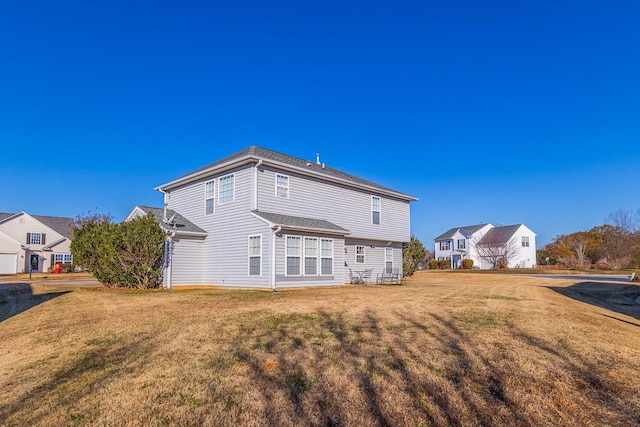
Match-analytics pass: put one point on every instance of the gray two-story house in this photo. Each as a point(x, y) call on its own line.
point(262, 219)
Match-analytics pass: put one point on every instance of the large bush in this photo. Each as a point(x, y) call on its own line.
point(129, 254)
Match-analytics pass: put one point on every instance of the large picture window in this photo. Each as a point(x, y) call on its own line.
point(208, 197)
point(293, 255)
point(63, 258)
point(310, 256)
point(375, 210)
point(326, 257)
point(226, 189)
point(255, 255)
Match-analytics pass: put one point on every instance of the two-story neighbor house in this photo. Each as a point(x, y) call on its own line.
point(33, 242)
point(460, 243)
point(262, 219)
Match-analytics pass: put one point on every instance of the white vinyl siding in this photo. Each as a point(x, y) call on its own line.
point(255, 255)
point(360, 259)
point(293, 255)
point(226, 189)
point(282, 186)
point(326, 257)
point(388, 259)
point(375, 210)
point(209, 191)
point(310, 256)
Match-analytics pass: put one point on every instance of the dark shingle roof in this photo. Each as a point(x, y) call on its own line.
point(301, 223)
point(317, 169)
point(468, 230)
point(499, 235)
point(179, 223)
point(61, 225)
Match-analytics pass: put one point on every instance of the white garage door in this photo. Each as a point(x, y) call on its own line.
point(8, 263)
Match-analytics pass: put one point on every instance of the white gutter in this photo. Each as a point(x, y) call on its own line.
point(272, 285)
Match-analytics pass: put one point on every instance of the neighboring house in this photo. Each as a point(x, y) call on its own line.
point(33, 242)
point(462, 243)
point(262, 219)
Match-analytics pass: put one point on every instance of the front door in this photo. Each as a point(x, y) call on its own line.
point(455, 261)
point(35, 263)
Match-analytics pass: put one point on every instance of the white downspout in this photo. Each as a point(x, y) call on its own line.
point(273, 257)
point(254, 199)
point(169, 261)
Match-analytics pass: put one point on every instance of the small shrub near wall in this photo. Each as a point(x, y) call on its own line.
point(467, 264)
point(433, 264)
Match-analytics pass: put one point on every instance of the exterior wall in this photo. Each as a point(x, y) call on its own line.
point(527, 255)
point(18, 227)
point(11, 254)
point(374, 257)
point(186, 262)
point(225, 250)
point(343, 206)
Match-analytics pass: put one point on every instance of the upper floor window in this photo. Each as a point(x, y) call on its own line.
point(359, 254)
point(461, 243)
point(35, 238)
point(208, 197)
point(525, 241)
point(255, 255)
point(375, 210)
point(226, 189)
point(445, 245)
point(282, 186)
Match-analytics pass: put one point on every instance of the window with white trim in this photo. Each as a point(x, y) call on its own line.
point(310, 256)
point(293, 255)
point(461, 243)
point(375, 210)
point(326, 257)
point(388, 259)
point(359, 254)
point(282, 186)
point(209, 189)
point(226, 189)
point(525, 241)
point(445, 245)
point(35, 239)
point(255, 255)
point(63, 258)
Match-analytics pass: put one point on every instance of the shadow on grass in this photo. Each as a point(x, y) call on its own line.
point(617, 297)
point(16, 298)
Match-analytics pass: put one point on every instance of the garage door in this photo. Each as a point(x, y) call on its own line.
point(8, 263)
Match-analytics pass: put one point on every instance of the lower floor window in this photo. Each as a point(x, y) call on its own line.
point(326, 257)
point(255, 255)
point(63, 258)
point(309, 256)
point(388, 259)
point(293, 255)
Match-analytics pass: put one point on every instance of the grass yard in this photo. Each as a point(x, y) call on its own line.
point(446, 349)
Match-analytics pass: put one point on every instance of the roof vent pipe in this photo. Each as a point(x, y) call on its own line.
point(317, 158)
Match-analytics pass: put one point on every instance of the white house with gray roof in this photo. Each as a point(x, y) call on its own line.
point(462, 243)
point(33, 242)
point(263, 219)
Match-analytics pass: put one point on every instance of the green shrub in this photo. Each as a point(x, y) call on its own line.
point(433, 264)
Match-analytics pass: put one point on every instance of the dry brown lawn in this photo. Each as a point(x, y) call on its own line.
point(446, 349)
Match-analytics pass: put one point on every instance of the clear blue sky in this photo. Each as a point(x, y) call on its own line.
point(504, 112)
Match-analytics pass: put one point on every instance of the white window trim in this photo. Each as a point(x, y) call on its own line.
point(388, 251)
point(213, 197)
point(233, 199)
point(251, 256)
point(277, 186)
point(379, 209)
point(286, 256)
point(63, 256)
point(31, 240)
point(464, 244)
point(333, 257)
point(304, 256)
point(442, 242)
point(525, 241)
point(364, 254)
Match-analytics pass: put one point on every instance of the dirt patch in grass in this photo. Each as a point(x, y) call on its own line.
point(461, 349)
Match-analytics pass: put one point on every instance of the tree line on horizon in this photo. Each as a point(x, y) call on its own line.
point(614, 245)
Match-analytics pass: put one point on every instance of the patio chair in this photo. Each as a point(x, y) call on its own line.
point(366, 276)
point(353, 278)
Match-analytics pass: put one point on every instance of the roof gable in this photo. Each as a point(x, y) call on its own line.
point(467, 230)
point(61, 225)
point(178, 224)
point(499, 235)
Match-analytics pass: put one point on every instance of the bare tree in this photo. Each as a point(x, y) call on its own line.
point(625, 219)
point(492, 249)
point(573, 249)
